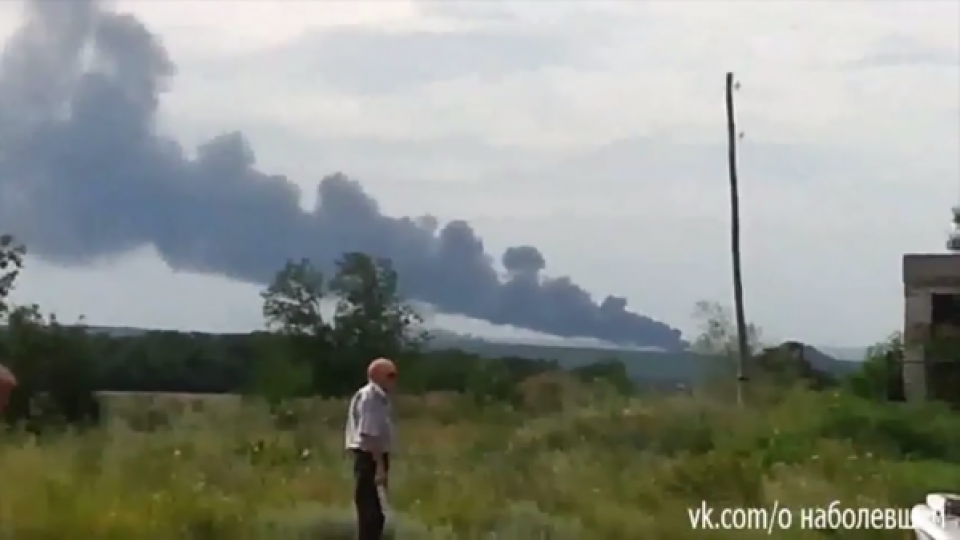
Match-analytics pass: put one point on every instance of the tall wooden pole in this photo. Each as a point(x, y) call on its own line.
point(742, 343)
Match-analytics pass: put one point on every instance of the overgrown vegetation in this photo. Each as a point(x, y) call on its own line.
point(492, 448)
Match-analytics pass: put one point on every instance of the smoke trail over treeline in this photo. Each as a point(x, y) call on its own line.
point(84, 174)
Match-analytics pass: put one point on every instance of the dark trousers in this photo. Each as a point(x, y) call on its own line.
point(370, 517)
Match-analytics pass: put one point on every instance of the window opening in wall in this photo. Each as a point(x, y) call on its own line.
point(946, 309)
point(943, 354)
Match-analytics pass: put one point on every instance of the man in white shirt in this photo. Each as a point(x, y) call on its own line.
point(369, 438)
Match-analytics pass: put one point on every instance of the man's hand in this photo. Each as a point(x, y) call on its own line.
point(370, 443)
point(380, 477)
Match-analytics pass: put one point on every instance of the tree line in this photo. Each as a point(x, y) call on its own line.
point(62, 367)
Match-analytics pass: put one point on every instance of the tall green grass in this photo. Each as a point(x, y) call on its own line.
point(572, 463)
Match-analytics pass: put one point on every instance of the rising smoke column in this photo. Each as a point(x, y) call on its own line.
point(85, 174)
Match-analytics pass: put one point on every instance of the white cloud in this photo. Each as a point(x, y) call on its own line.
point(595, 131)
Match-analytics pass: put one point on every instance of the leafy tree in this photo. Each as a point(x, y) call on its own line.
point(775, 367)
point(788, 364)
point(11, 262)
point(718, 333)
point(280, 379)
point(610, 372)
point(292, 307)
point(372, 319)
point(880, 377)
point(55, 369)
point(292, 303)
point(491, 380)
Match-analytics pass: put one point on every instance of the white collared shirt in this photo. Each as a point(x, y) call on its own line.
point(370, 413)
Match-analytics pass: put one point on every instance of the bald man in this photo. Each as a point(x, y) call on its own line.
point(369, 437)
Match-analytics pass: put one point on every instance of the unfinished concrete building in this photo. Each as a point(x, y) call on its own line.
point(931, 286)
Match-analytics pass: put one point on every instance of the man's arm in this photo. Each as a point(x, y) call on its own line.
point(372, 427)
point(372, 444)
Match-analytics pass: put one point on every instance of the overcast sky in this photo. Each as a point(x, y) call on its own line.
point(592, 130)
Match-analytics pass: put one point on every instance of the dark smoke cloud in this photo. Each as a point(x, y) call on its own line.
point(523, 260)
point(84, 174)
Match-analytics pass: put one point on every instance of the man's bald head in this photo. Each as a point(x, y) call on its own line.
point(383, 373)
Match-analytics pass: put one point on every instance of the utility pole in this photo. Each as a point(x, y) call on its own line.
point(742, 343)
point(953, 241)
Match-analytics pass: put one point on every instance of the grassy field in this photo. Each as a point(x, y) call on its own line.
point(571, 463)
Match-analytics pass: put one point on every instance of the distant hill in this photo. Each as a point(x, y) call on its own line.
point(649, 367)
point(854, 354)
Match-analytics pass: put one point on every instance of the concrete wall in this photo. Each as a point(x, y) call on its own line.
point(923, 276)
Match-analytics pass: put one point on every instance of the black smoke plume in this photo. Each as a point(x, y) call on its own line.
point(85, 174)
